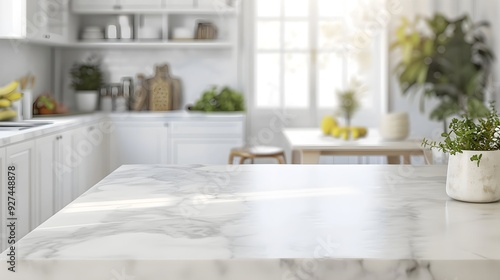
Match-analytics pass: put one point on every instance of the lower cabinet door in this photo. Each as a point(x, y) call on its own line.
point(3, 202)
point(21, 158)
point(138, 143)
point(90, 146)
point(46, 174)
point(203, 151)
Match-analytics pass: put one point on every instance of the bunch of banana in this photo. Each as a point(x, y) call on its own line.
point(8, 94)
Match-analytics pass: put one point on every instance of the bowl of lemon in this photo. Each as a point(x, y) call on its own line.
point(331, 127)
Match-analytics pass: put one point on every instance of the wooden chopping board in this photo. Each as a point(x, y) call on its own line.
point(160, 90)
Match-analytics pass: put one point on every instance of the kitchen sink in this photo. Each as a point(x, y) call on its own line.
point(13, 126)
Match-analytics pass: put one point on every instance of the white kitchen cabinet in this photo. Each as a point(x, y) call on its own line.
point(90, 143)
point(49, 21)
point(203, 150)
point(11, 13)
point(207, 142)
point(94, 4)
point(22, 157)
point(55, 165)
point(114, 5)
point(139, 4)
point(3, 201)
point(138, 142)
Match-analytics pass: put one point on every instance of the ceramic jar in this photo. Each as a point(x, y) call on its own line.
point(395, 126)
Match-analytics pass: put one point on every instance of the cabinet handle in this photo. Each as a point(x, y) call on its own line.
point(47, 36)
point(165, 124)
point(117, 7)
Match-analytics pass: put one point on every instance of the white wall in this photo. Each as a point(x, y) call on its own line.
point(17, 60)
point(198, 69)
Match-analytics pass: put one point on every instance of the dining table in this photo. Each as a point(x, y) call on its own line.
point(309, 144)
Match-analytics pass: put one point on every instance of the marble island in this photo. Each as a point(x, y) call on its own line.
point(264, 222)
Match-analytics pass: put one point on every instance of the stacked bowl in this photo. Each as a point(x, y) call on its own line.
point(395, 126)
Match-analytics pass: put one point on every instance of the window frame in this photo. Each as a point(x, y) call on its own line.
point(250, 31)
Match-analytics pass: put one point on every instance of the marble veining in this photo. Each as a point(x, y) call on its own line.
point(265, 222)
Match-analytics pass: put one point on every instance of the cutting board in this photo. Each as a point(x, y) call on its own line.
point(160, 90)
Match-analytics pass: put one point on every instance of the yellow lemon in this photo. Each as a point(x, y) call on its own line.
point(327, 124)
point(355, 133)
point(336, 131)
point(345, 134)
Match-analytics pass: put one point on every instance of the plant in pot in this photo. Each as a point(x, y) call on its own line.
point(447, 60)
point(349, 100)
point(86, 81)
point(474, 148)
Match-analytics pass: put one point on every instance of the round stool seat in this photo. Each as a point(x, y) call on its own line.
point(257, 152)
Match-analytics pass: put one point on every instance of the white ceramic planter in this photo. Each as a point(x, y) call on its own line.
point(468, 182)
point(86, 101)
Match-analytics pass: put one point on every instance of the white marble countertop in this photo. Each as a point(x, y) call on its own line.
point(265, 222)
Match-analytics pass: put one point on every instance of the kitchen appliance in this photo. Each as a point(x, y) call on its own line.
point(128, 91)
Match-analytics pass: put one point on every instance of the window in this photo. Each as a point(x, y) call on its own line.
point(306, 50)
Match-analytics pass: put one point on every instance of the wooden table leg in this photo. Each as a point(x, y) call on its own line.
point(296, 157)
point(407, 159)
point(310, 157)
point(393, 159)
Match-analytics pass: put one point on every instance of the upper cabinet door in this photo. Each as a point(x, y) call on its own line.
point(48, 20)
point(95, 4)
point(113, 5)
point(140, 4)
point(12, 13)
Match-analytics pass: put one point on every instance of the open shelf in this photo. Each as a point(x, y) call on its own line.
point(180, 11)
point(146, 44)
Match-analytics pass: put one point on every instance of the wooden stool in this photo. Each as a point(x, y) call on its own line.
point(257, 152)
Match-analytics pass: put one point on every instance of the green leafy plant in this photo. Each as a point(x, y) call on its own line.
point(445, 59)
point(224, 100)
point(86, 76)
point(467, 134)
point(349, 100)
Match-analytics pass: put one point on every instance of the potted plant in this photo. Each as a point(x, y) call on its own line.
point(474, 148)
point(349, 100)
point(86, 81)
point(447, 60)
point(223, 100)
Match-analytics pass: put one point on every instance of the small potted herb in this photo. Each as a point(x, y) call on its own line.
point(473, 167)
point(86, 80)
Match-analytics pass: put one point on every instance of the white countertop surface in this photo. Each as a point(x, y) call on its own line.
point(62, 122)
point(265, 222)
